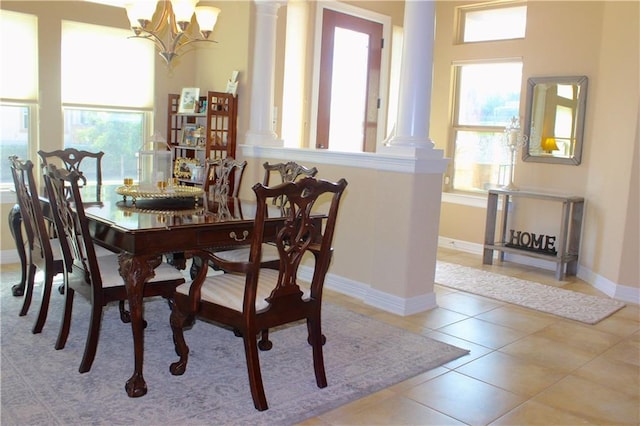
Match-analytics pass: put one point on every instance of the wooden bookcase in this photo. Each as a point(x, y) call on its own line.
point(218, 129)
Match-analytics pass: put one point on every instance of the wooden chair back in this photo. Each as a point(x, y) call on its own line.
point(76, 160)
point(71, 222)
point(40, 253)
point(30, 207)
point(223, 176)
point(298, 235)
point(288, 172)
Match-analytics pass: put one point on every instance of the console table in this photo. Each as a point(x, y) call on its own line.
point(568, 241)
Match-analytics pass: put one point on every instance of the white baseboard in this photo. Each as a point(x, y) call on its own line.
point(372, 297)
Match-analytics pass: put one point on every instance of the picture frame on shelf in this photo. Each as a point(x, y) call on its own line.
point(232, 84)
point(189, 98)
point(232, 87)
point(189, 135)
point(181, 167)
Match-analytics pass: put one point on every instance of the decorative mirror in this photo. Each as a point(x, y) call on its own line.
point(554, 119)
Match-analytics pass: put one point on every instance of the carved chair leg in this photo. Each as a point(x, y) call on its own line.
point(44, 304)
point(15, 226)
point(93, 336)
point(265, 344)
point(253, 368)
point(317, 341)
point(28, 294)
point(323, 338)
point(66, 318)
point(125, 316)
point(178, 321)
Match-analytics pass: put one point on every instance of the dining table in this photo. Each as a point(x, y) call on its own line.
point(148, 231)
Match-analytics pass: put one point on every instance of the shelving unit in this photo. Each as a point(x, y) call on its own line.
point(568, 239)
point(219, 129)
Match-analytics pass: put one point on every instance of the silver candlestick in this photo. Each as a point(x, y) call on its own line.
point(514, 140)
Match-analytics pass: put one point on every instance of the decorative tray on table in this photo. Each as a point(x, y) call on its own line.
point(135, 192)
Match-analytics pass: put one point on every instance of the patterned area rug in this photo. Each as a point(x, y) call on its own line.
point(42, 386)
point(544, 298)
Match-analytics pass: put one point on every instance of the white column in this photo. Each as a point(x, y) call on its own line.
point(263, 76)
point(293, 99)
point(414, 104)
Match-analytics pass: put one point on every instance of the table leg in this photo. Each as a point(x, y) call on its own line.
point(136, 270)
point(15, 225)
point(490, 228)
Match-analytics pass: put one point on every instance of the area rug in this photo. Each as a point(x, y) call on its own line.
point(42, 386)
point(545, 298)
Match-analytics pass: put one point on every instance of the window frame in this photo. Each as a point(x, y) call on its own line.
point(463, 11)
point(147, 119)
point(456, 127)
point(32, 133)
point(29, 100)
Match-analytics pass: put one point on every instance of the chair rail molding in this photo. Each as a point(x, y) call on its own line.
point(431, 164)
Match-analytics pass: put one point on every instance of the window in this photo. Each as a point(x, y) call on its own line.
point(492, 22)
point(119, 134)
point(18, 87)
point(107, 103)
point(487, 96)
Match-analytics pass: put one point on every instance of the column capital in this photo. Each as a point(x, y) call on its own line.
point(263, 5)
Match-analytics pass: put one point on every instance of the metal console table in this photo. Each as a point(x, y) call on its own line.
point(568, 240)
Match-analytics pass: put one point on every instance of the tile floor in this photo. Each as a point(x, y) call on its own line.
point(525, 367)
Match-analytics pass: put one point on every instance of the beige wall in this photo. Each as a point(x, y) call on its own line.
point(611, 189)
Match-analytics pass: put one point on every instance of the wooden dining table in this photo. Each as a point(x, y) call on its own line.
point(151, 231)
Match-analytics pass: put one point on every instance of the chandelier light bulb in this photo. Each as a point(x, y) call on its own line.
point(207, 16)
point(140, 13)
point(183, 10)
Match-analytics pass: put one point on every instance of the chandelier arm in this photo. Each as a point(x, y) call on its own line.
point(183, 39)
point(153, 37)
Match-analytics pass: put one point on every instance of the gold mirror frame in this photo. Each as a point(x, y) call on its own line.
point(554, 119)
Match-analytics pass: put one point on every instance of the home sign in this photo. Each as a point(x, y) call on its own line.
point(530, 241)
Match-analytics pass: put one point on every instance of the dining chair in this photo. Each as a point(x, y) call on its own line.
point(77, 160)
point(223, 176)
point(222, 179)
point(43, 252)
point(96, 278)
point(251, 298)
point(87, 163)
point(287, 172)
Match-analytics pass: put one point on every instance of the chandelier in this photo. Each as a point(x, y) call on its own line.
point(171, 30)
